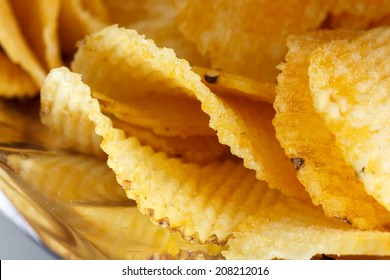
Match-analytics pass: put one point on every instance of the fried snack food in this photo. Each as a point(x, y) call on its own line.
point(15, 46)
point(14, 81)
point(146, 72)
point(132, 236)
point(77, 19)
point(256, 41)
point(302, 133)
point(285, 228)
point(73, 178)
point(38, 20)
point(222, 83)
point(156, 20)
point(350, 86)
point(203, 202)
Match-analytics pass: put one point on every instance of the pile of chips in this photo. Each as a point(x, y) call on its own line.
point(244, 129)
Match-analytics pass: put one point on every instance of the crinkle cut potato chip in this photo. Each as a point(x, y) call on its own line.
point(15, 46)
point(302, 133)
point(197, 148)
point(256, 41)
point(287, 229)
point(155, 19)
point(73, 178)
point(358, 14)
point(164, 114)
point(350, 86)
point(38, 21)
point(14, 81)
point(77, 19)
point(222, 83)
point(203, 202)
point(139, 64)
point(124, 233)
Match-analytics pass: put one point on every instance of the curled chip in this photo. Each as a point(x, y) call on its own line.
point(222, 83)
point(164, 114)
point(203, 202)
point(38, 21)
point(197, 148)
point(14, 81)
point(142, 69)
point(287, 229)
point(257, 30)
point(350, 85)
point(157, 20)
point(15, 46)
point(124, 233)
point(77, 19)
point(73, 178)
point(329, 180)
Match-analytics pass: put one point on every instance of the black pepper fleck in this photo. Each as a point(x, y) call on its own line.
point(211, 78)
point(298, 162)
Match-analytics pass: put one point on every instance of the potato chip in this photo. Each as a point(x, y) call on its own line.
point(157, 20)
point(159, 68)
point(198, 148)
point(15, 46)
point(350, 86)
point(203, 202)
point(307, 142)
point(257, 30)
point(222, 83)
point(287, 229)
point(73, 178)
point(77, 19)
point(358, 14)
point(131, 235)
point(38, 21)
point(14, 81)
point(164, 114)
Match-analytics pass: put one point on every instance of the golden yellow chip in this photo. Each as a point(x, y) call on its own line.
point(197, 148)
point(15, 46)
point(73, 178)
point(164, 114)
point(203, 202)
point(124, 233)
point(157, 20)
point(38, 21)
point(358, 14)
point(14, 82)
point(247, 37)
point(77, 19)
point(287, 229)
point(350, 86)
point(141, 67)
point(223, 83)
point(306, 141)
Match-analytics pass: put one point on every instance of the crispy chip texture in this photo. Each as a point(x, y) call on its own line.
point(287, 229)
point(203, 202)
point(139, 64)
point(157, 20)
point(38, 21)
point(306, 140)
point(256, 41)
point(14, 82)
point(223, 83)
point(77, 19)
point(350, 85)
point(197, 148)
point(131, 235)
point(73, 178)
point(15, 46)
